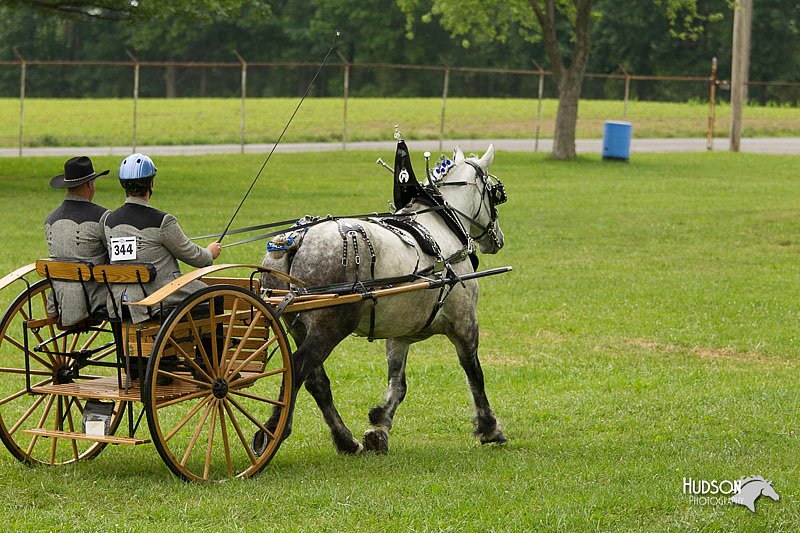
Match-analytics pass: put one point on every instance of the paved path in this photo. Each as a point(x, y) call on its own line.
point(773, 145)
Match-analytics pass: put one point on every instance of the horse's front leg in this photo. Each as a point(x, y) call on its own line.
point(376, 438)
point(464, 336)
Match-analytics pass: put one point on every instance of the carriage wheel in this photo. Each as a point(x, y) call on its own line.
point(216, 373)
point(21, 410)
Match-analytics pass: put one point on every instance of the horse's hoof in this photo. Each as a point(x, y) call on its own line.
point(354, 448)
point(259, 442)
point(495, 437)
point(377, 441)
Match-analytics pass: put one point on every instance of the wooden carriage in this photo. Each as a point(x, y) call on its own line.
point(205, 374)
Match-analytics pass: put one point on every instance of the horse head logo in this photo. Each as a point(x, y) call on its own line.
point(750, 489)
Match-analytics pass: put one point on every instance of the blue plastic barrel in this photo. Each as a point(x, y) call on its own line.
point(616, 140)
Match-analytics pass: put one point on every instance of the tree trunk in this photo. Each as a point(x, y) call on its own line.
point(171, 81)
point(569, 92)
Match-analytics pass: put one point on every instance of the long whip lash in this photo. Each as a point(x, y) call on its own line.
point(325, 60)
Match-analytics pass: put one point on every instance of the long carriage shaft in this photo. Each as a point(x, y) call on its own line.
point(301, 302)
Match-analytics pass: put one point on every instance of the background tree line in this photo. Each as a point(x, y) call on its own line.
point(631, 34)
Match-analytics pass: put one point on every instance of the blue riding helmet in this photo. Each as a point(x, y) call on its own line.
point(137, 166)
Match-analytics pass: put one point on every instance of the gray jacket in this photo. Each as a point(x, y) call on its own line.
point(159, 241)
point(74, 231)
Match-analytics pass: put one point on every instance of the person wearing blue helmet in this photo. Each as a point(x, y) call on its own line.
point(138, 233)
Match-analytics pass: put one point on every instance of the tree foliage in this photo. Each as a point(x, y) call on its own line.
point(639, 36)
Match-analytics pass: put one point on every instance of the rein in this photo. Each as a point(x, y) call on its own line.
point(295, 227)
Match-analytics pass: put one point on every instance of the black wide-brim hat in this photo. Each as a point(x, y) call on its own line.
point(77, 171)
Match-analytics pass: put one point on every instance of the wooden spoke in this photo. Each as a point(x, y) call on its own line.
point(223, 427)
point(71, 426)
point(256, 398)
point(239, 431)
point(74, 342)
point(211, 431)
point(196, 434)
point(253, 355)
point(243, 341)
point(255, 377)
point(230, 326)
point(7, 370)
point(94, 335)
point(188, 417)
point(199, 343)
point(23, 392)
point(32, 355)
point(52, 328)
point(189, 359)
point(185, 379)
point(25, 415)
point(213, 326)
point(191, 396)
point(105, 353)
point(41, 422)
point(250, 417)
point(58, 427)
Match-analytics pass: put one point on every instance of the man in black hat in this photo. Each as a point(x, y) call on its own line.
point(75, 232)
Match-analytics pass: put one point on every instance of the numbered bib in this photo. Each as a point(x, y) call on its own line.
point(122, 248)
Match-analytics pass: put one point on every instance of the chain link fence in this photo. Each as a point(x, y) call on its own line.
point(239, 103)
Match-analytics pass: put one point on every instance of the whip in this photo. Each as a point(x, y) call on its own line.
point(325, 60)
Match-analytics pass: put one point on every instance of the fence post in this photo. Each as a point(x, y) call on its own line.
point(135, 94)
point(711, 98)
point(627, 91)
point(345, 93)
point(244, 96)
point(444, 100)
point(742, 11)
point(539, 106)
point(22, 75)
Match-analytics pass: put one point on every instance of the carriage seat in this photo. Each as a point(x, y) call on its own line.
point(70, 271)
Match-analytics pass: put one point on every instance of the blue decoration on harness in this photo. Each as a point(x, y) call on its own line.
point(291, 240)
point(273, 247)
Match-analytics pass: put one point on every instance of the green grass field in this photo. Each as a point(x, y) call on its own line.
point(647, 334)
point(101, 122)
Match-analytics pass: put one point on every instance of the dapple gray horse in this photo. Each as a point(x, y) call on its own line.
point(400, 319)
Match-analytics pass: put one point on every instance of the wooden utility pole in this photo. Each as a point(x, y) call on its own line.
point(740, 66)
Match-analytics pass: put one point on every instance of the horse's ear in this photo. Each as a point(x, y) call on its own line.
point(458, 155)
point(488, 157)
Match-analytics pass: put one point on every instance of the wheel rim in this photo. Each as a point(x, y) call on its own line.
point(21, 410)
point(223, 385)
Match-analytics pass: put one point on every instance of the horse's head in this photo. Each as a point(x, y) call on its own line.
point(768, 491)
point(475, 194)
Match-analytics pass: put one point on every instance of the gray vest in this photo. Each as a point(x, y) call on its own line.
point(74, 231)
point(159, 241)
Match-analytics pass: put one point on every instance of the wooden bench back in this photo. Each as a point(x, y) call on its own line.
point(83, 271)
point(64, 270)
point(143, 273)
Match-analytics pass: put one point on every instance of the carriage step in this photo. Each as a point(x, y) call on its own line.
point(111, 439)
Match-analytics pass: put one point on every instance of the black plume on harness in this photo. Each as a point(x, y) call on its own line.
point(406, 186)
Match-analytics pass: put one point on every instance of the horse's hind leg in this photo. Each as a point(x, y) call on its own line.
point(376, 438)
point(320, 334)
point(318, 384)
point(464, 335)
